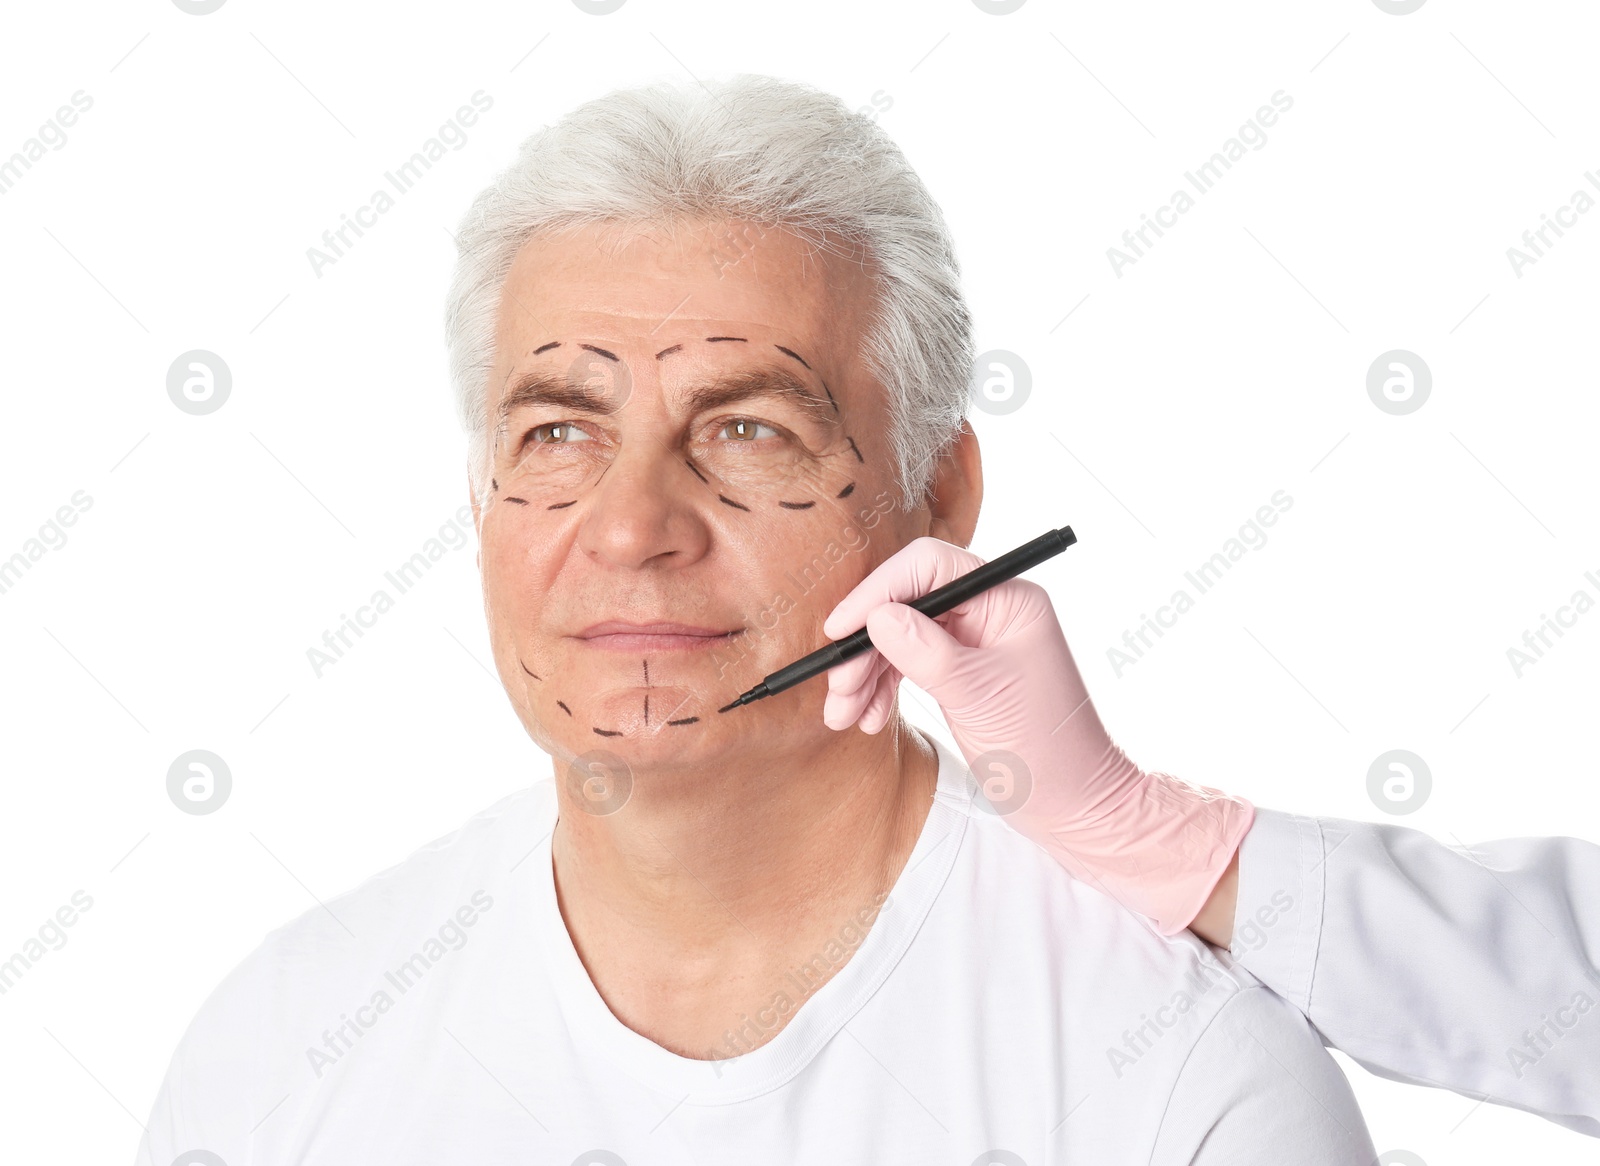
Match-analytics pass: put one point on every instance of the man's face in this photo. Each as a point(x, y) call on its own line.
point(683, 434)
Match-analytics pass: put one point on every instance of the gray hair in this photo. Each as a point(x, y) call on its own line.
point(777, 153)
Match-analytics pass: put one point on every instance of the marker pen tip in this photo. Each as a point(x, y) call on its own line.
point(754, 694)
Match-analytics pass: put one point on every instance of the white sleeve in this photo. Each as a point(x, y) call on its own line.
point(1259, 1089)
point(1472, 969)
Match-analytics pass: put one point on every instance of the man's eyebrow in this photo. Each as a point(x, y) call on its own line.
point(548, 388)
point(754, 383)
point(566, 392)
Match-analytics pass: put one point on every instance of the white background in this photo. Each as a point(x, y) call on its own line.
point(1228, 363)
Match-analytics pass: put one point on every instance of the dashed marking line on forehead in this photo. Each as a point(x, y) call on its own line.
point(718, 339)
point(793, 353)
point(607, 732)
point(611, 356)
point(518, 501)
point(669, 351)
point(797, 505)
point(684, 721)
point(546, 347)
point(829, 391)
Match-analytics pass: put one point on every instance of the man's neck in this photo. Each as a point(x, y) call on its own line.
point(688, 904)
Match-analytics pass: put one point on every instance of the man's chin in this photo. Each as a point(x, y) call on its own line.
point(636, 713)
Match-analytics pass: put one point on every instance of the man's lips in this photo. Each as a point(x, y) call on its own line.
point(621, 635)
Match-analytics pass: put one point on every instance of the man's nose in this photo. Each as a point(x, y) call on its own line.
point(642, 509)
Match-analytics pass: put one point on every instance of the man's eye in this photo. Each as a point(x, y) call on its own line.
point(747, 429)
point(556, 433)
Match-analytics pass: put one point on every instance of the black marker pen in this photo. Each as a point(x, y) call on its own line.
point(936, 602)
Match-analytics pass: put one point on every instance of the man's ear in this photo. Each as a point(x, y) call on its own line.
point(957, 492)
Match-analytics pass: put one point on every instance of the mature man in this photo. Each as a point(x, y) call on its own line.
point(711, 356)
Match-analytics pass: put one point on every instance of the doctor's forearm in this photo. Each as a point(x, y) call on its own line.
point(1470, 969)
point(1214, 924)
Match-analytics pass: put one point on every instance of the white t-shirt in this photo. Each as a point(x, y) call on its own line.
point(996, 1013)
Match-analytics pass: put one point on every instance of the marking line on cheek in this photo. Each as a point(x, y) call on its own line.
point(731, 502)
point(797, 505)
point(852, 442)
point(564, 708)
point(607, 732)
point(831, 401)
point(845, 493)
point(696, 471)
point(561, 505)
point(514, 498)
point(669, 351)
point(529, 671)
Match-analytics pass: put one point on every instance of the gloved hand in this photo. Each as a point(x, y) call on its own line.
point(1001, 671)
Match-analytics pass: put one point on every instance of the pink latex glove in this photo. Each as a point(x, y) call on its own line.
point(1001, 671)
